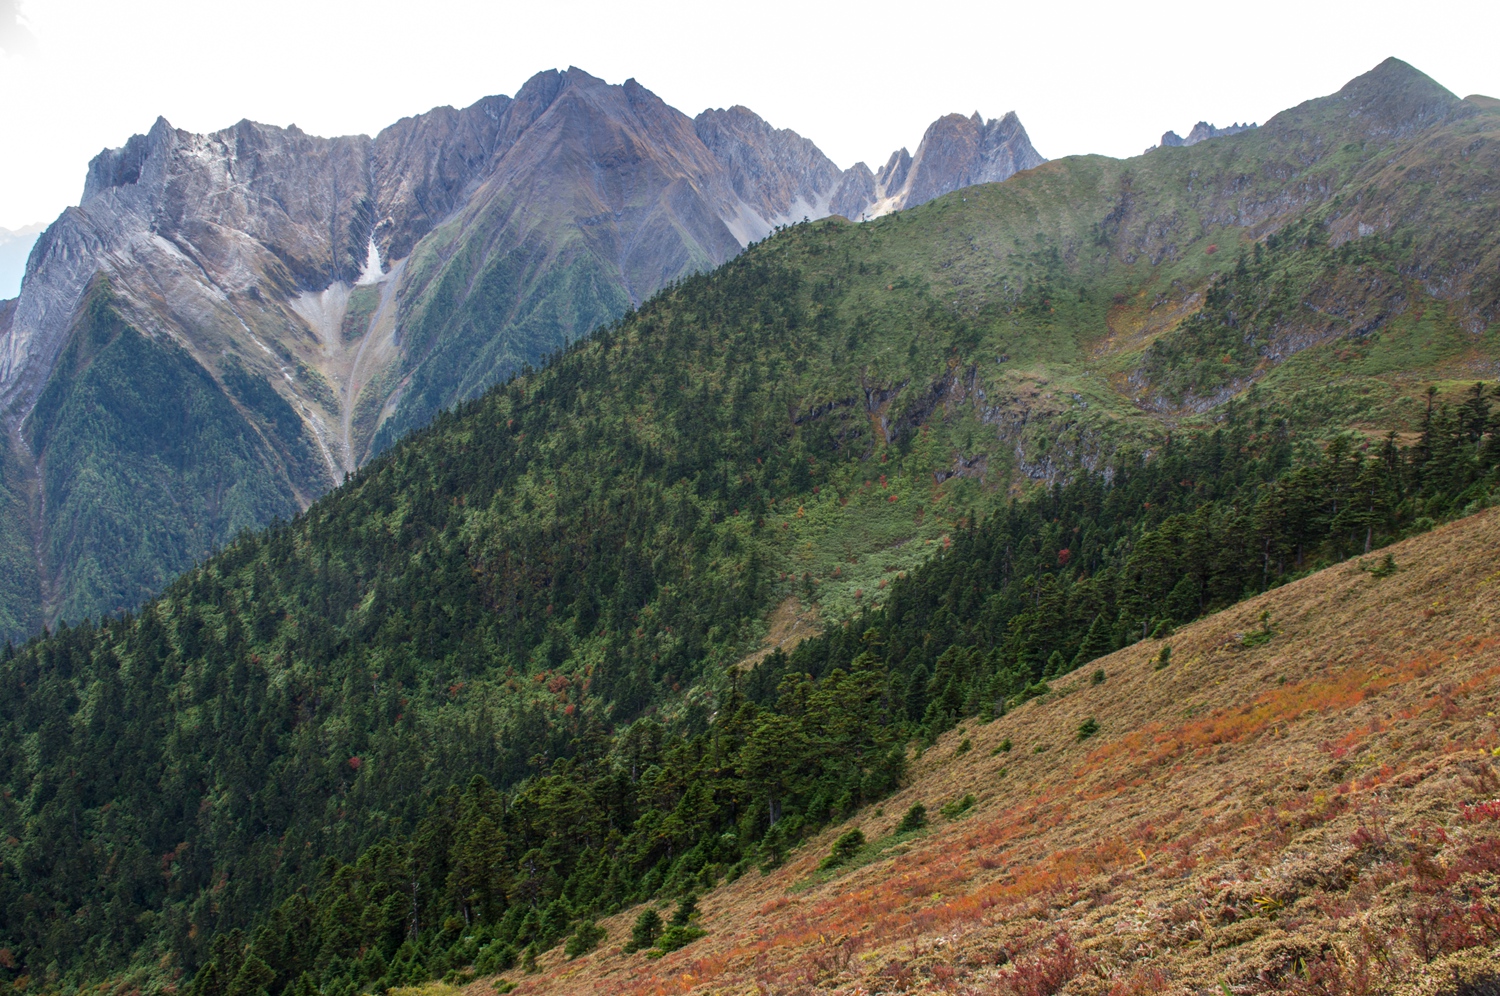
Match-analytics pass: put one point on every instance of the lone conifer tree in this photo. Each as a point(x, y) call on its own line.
point(646, 930)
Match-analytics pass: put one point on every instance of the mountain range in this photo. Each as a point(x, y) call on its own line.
point(1202, 131)
point(299, 303)
point(642, 668)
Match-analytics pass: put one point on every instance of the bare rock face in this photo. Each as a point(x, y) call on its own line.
point(959, 152)
point(425, 167)
point(778, 173)
point(854, 193)
point(211, 236)
point(892, 176)
point(955, 152)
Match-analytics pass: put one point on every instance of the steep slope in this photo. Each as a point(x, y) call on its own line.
point(146, 463)
point(201, 248)
point(1312, 812)
point(551, 245)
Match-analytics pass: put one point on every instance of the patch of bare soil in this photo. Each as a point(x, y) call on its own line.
point(1304, 800)
point(789, 623)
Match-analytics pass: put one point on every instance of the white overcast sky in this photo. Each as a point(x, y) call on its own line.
point(858, 79)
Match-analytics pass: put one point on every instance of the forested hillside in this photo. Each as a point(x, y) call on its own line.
point(491, 688)
point(1308, 811)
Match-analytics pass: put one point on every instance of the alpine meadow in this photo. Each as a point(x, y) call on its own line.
point(947, 601)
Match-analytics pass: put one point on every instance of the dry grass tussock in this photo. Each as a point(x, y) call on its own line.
point(1314, 812)
point(788, 625)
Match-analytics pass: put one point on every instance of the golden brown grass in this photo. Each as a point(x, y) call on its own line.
point(1308, 814)
point(788, 625)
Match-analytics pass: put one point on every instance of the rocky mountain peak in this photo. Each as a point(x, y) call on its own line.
point(1391, 101)
point(122, 167)
point(955, 152)
point(1202, 132)
point(782, 175)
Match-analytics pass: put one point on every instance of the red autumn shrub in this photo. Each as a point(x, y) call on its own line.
point(1481, 812)
point(1048, 972)
point(1145, 980)
point(1330, 975)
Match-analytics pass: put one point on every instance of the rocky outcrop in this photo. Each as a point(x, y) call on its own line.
point(959, 152)
point(1202, 131)
point(892, 176)
point(426, 166)
point(955, 152)
point(780, 175)
point(854, 193)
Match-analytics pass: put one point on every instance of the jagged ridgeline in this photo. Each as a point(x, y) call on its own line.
point(505, 593)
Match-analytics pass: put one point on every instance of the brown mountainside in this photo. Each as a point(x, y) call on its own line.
point(1309, 810)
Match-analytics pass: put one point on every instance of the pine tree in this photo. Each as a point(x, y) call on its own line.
point(226, 956)
point(252, 978)
point(644, 932)
point(305, 986)
point(1096, 643)
point(1182, 604)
